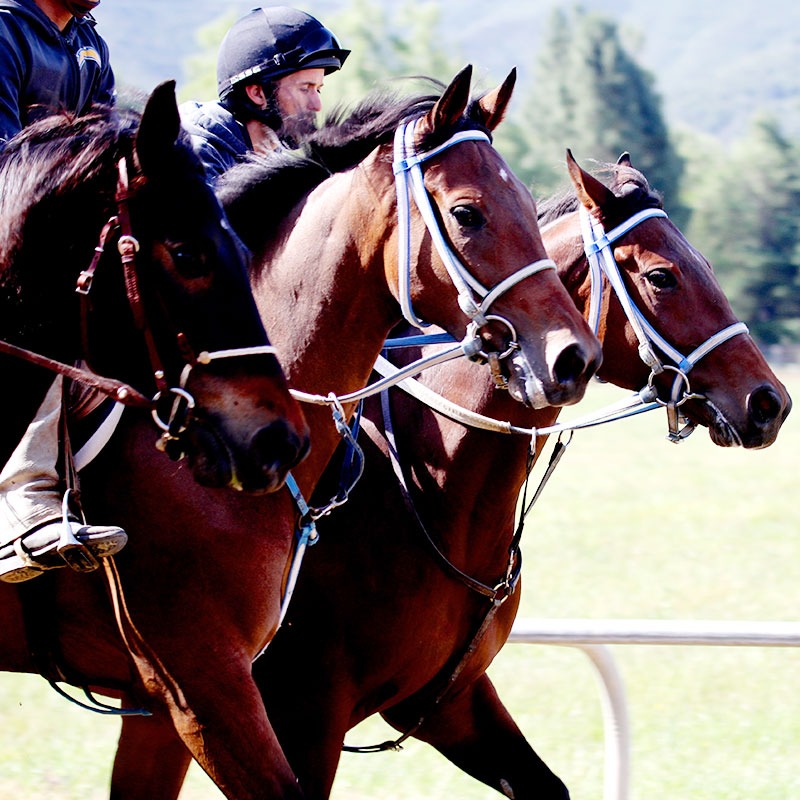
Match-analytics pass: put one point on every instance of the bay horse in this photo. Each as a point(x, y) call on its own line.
point(325, 273)
point(377, 623)
point(116, 202)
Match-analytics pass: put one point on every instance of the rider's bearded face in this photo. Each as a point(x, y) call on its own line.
point(298, 100)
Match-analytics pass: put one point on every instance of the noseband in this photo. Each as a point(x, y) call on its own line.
point(474, 299)
point(600, 254)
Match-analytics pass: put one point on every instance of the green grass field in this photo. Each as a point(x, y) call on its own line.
point(630, 526)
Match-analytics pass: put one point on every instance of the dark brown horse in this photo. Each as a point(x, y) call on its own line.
point(377, 624)
point(325, 276)
point(178, 314)
point(184, 291)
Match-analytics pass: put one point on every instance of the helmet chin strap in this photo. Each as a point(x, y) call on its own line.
point(80, 8)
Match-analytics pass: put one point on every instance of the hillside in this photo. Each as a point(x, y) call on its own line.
point(715, 62)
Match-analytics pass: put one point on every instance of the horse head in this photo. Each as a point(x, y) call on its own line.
point(166, 302)
point(483, 238)
point(246, 430)
point(694, 352)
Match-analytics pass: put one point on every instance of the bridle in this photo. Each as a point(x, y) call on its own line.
point(600, 255)
point(179, 414)
point(474, 299)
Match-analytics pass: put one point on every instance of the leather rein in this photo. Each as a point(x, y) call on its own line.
point(127, 246)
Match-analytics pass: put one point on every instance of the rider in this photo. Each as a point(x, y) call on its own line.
point(51, 60)
point(270, 70)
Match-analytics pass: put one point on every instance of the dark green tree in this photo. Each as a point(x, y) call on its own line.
point(746, 221)
point(589, 94)
point(388, 43)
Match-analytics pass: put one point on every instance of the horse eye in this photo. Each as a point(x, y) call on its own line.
point(468, 216)
point(190, 262)
point(661, 279)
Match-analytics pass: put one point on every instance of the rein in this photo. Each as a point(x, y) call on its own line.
point(179, 419)
point(496, 594)
point(597, 245)
point(128, 247)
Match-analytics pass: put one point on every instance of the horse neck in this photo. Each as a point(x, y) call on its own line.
point(323, 295)
point(471, 478)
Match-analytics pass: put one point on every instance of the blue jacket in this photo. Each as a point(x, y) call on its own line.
point(43, 70)
point(218, 139)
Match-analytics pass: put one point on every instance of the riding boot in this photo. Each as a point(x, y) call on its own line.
point(37, 532)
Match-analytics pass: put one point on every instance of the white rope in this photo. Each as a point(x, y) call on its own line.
point(421, 364)
point(636, 403)
point(259, 350)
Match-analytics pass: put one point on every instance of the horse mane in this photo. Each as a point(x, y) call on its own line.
point(60, 156)
point(626, 183)
point(261, 191)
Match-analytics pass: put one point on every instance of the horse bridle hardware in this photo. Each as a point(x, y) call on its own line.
point(409, 183)
point(600, 255)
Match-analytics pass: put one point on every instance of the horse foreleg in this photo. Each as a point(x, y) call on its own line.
point(151, 760)
point(222, 721)
point(473, 729)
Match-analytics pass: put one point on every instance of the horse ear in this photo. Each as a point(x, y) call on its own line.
point(592, 194)
point(493, 104)
point(450, 107)
point(159, 129)
point(624, 160)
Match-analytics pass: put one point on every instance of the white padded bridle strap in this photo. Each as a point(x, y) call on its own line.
point(599, 252)
point(409, 182)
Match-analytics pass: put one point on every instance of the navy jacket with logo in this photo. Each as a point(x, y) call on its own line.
point(218, 139)
point(43, 71)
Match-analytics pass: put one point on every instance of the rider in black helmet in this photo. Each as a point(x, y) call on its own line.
point(270, 70)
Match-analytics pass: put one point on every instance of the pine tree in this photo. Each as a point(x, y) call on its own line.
point(590, 95)
point(746, 222)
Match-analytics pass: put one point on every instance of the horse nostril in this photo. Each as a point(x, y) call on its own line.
point(764, 405)
point(278, 445)
point(570, 364)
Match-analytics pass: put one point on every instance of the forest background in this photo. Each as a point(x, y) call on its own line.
point(705, 96)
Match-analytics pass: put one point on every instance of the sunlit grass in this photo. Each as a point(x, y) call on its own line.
point(630, 526)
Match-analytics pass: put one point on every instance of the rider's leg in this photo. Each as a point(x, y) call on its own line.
point(31, 524)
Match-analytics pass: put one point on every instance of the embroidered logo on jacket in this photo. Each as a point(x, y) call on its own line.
point(88, 54)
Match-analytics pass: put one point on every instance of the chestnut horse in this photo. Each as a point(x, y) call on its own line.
point(377, 624)
point(327, 279)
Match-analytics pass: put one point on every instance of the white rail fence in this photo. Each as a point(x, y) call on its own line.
point(593, 636)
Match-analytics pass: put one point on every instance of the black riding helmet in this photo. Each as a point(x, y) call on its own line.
point(268, 43)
